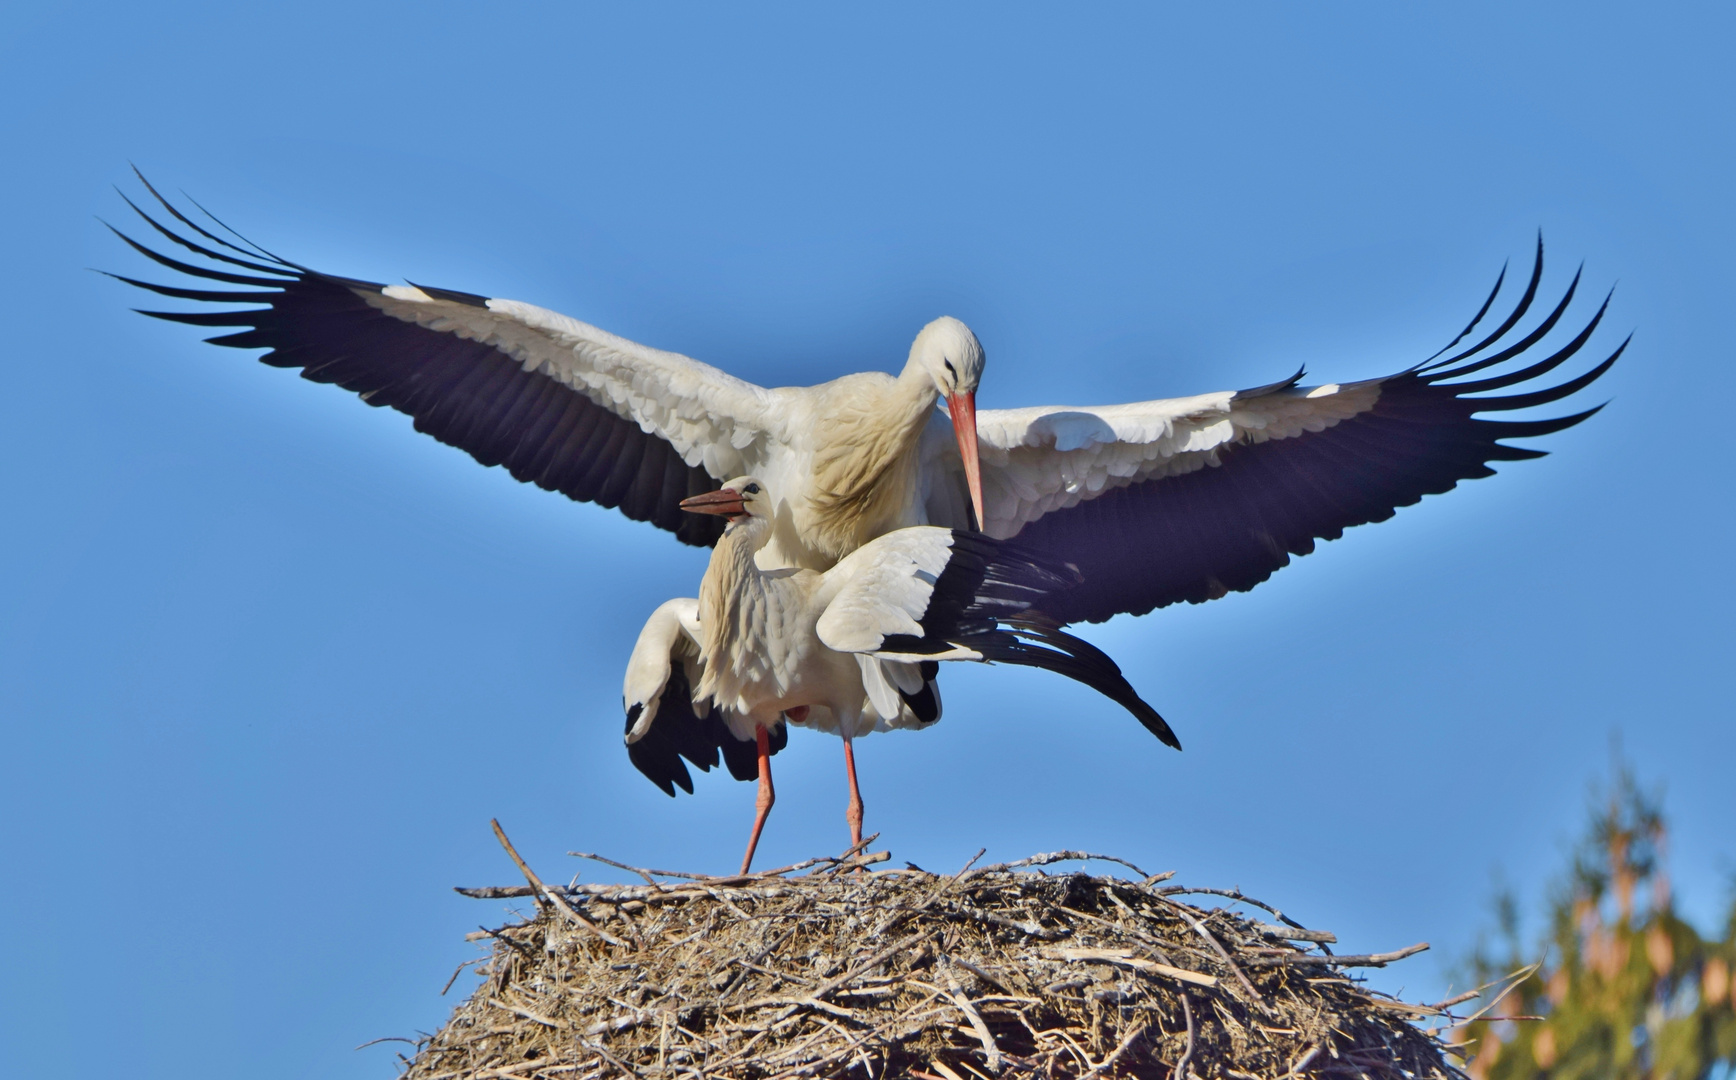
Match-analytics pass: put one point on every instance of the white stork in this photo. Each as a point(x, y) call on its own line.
point(849, 650)
point(1155, 501)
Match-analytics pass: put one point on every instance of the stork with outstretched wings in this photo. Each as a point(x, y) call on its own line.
point(1155, 502)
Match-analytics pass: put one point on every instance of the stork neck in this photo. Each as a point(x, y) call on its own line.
point(732, 565)
point(865, 470)
point(732, 582)
point(916, 387)
point(747, 535)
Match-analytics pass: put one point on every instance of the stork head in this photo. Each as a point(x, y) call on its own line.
point(739, 500)
point(953, 358)
point(951, 355)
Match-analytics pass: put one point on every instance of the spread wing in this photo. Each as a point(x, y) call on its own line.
point(1189, 498)
point(557, 402)
point(664, 722)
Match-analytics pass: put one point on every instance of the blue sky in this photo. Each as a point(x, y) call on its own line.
point(269, 661)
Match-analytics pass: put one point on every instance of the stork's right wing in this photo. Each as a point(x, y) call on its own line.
point(559, 403)
point(664, 722)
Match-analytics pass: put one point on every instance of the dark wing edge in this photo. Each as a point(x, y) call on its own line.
point(1034, 644)
point(1227, 528)
point(924, 704)
point(464, 393)
point(991, 597)
point(678, 731)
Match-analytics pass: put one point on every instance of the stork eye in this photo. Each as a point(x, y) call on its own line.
point(751, 489)
point(949, 368)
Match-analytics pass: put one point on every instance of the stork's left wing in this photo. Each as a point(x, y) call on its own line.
point(924, 594)
point(1190, 498)
point(557, 402)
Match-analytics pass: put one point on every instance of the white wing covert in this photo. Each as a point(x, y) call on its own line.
point(1039, 460)
point(669, 640)
point(711, 418)
point(882, 589)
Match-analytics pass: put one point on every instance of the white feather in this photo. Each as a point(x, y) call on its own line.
point(882, 588)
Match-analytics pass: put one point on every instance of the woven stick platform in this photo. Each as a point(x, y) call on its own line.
point(830, 969)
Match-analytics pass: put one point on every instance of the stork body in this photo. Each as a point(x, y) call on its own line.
point(848, 650)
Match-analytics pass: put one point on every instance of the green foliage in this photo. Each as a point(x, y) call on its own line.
point(1622, 989)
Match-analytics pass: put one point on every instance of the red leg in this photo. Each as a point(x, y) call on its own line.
point(763, 804)
point(853, 813)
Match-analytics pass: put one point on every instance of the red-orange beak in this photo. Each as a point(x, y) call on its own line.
point(963, 410)
point(723, 501)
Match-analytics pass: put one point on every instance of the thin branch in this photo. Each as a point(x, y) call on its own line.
point(1362, 960)
point(1065, 856)
point(1180, 1072)
point(390, 1038)
point(1236, 895)
point(1296, 933)
point(553, 898)
point(1460, 999)
point(641, 871)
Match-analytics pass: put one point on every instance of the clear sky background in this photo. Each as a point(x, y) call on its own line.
point(269, 660)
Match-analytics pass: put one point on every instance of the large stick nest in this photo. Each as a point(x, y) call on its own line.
point(1001, 971)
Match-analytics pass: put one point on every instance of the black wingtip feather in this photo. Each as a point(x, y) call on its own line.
point(1550, 394)
point(1475, 319)
point(1531, 429)
point(251, 248)
point(1525, 343)
point(207, 318)
point(1061, 652)
point(191, 224)
point(198, 249)
point(1512, 319)
point(679, 734)
point(189, 269)
point(212, 296)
